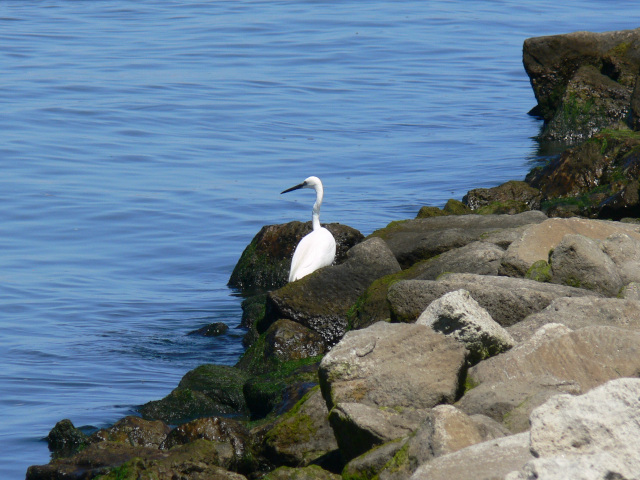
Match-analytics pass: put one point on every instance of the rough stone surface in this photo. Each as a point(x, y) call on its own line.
point(484, 461)
point(311, 472)
point(302, 435)
point(392, 365)
point(624, 250)
point(64, 438)
point(369, 464)
point(286, 340)
point(321, 300)
point(538, 240)
point(580, 312)
point(580, 261)
point(266, 261)
point(458, 315)
point(423, 238)
point(597, 466)
point(359, 427)
point(631, 291)
point(554, 360)
point(508, 300)
point(135, 431)
point(215, 429)
point(514, 195)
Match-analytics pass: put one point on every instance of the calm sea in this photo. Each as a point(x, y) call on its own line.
point(144, 143)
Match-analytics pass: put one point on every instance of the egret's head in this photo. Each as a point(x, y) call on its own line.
point(311, 182)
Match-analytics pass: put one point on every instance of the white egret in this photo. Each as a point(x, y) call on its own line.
point(318, 248)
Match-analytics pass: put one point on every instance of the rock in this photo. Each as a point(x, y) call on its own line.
point(423, 238)
point(582, 81)
point(303, 435)
point(369, 464)
point(591, 436)
point(631, 291)
point(484, 461)
point(322, 300)
point(311, 472)
point(482, 258)
point(580, 262)
point(508, 300)
point(65, 439)
point(135, 431)
point(539, 239)
point(208, 390)
point(445, 430)
point(287, 340)
point(358, 427)
point(580, 312)
point(458, 315)
point(554, 360)
point(392, 365)
point(211, 330)
point(266, 261)
point(624, 250)
point(511, 197)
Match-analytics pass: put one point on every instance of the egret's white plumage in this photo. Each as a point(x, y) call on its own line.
point(318, 248)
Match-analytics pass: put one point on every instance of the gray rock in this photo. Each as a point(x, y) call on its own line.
point(580, 262)
point(266, 261)
point(597, 466)
point(359, 427)
point(423, 238)
point(508, 300)
point(302, 435)
point(368, 465)
point(481, 258)
point(322, 300)
point(488, 460)
point(624, 250)
point(554, 360)
point(311, 472)
point(539, 239)
point(631, 291)
point(392, 365)
point(458, 315)
point(580, 312)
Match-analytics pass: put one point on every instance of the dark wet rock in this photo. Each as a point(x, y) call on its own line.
point(135, 431)
point(482, 258)
point(508, 300)
point(359, 428)
point(302, 435)
point(311, 472)
point(321, 301)
point(287, 340)
point(394, 366)
point(266, 261)
point(211, 330)
point(554, 360)
point(583, 81)
point(598, 178)
point(580, 312)
point(580, 261)
point(423, 238)
point(208, 390)
point(511, 197)
point(65, 439)
point(276, 391)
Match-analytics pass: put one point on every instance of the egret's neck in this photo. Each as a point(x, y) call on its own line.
point(315, 216)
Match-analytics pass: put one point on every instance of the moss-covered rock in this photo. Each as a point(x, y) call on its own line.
point(428, 212)
point(540, 271)
point(456, 207)
point(65, 439)
point(135, 431)
point(312, 472)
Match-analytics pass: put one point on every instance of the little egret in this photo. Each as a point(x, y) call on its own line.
point(318, 248)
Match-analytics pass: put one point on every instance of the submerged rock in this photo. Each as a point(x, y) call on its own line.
point(65, 439)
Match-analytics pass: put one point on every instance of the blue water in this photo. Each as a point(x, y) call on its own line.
point(144, 143)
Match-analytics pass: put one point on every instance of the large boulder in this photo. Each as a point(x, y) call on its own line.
point(554, 360)
point(303, 435)
point(583, 81)
point(580, 312)
point(511, 197)
point(321, 301)
point(508, 300)
point(423, 238)
point(538, 240)
point(458, 315)
point(266, 261)
point(393, 365)
point(488, 460)
point(592, 436)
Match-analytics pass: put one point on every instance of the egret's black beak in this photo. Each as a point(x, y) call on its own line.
point(303, 184)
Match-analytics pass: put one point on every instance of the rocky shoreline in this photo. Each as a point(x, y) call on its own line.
point(498, 337)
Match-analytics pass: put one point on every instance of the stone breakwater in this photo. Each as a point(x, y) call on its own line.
point(498, 337)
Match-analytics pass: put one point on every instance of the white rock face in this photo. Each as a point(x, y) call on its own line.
point(458, 315)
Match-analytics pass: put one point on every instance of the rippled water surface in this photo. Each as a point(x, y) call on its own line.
point(145, 143)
